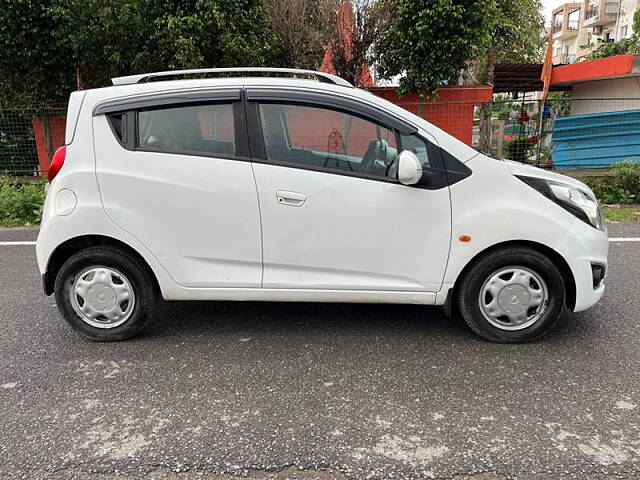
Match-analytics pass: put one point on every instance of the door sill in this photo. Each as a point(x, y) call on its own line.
point(300, 295)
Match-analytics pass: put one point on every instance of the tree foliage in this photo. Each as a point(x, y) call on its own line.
point(428, 42)
point(431, 41)
point(518, 32)
point(43, 42)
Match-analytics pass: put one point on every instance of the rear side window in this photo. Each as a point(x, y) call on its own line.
point(193, 130)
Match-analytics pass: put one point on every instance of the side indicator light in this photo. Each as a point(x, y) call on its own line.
point(464, 238)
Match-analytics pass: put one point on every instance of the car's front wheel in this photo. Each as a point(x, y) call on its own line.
point(512, 295)
point(105, 293)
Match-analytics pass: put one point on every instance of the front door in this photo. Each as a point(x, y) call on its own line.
point(333, 215)
point(177, 177)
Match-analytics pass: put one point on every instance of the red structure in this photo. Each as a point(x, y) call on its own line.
point(49, 135)
point(599, 69)
point(452, 109)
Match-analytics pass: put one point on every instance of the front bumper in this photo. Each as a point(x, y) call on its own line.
point(584, 247)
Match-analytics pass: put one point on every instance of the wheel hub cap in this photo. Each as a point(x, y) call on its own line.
point(513, 298)
point(102, 297)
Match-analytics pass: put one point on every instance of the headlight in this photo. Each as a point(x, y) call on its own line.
point(573, 199)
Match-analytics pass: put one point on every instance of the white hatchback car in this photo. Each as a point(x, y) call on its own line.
point(290, 189)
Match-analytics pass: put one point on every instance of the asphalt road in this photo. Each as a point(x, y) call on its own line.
point(317, 391)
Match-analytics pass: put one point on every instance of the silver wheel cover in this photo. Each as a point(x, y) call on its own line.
point(513, 298)
point(102, 297)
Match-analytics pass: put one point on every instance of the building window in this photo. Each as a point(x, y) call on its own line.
point(623, 31)
point(573, 19)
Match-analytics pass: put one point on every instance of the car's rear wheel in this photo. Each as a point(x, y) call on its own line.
point(105, 293)
point(512, 295)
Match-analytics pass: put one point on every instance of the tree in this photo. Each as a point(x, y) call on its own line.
point(353, 28)
point(518, 31)
point(213, 33)
point(301, 31)
point(430, 42)
point(42, 43)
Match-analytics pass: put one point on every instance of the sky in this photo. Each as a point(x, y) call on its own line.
point(548, 5)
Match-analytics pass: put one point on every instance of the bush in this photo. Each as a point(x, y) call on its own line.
point(21, 201)
point(623, 186)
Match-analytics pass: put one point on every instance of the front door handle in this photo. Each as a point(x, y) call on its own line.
point(293, 199)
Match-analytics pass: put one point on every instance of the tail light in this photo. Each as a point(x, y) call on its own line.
point(56, 162)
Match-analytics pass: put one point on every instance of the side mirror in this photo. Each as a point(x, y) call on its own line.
point(409, 168)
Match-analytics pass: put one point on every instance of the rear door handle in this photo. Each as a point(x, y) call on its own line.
point(293, 199)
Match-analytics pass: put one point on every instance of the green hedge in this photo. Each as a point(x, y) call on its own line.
point(621, 187)
point(21, 201)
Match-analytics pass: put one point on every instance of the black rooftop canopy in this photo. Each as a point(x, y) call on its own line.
point(519, 78)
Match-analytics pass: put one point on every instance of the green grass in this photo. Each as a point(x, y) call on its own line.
point(622, 214)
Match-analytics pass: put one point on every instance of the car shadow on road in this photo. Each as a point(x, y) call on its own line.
point(186, 318)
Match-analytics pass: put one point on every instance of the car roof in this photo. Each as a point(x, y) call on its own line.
point(117, 91)
point(324, 77)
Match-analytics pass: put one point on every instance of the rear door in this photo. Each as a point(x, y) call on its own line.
point(174, 171)
point(334, 216)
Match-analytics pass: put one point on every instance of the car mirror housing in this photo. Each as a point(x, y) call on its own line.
point(409, 168)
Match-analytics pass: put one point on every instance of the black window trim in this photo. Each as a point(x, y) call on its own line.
point(163, 99)
point(333, 102)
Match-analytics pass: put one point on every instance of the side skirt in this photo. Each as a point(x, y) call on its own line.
point(300, 295)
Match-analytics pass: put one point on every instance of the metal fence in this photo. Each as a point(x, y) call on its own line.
point(28, 138)
point(564, 133)
point(561, 133)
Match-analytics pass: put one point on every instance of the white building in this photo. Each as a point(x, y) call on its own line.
point(580, 27)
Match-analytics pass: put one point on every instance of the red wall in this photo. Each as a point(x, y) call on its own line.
point(49, 135)
point(452, 109)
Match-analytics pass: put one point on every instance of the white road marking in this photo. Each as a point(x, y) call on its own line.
point(7, 244)
point(631, 239)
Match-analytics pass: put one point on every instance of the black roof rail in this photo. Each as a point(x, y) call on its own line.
point(145, 77)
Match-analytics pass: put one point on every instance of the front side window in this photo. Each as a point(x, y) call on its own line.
point(316, 137)
point(195, 129)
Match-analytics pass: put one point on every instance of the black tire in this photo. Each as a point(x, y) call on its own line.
point(144, 289)
point(482, 269)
